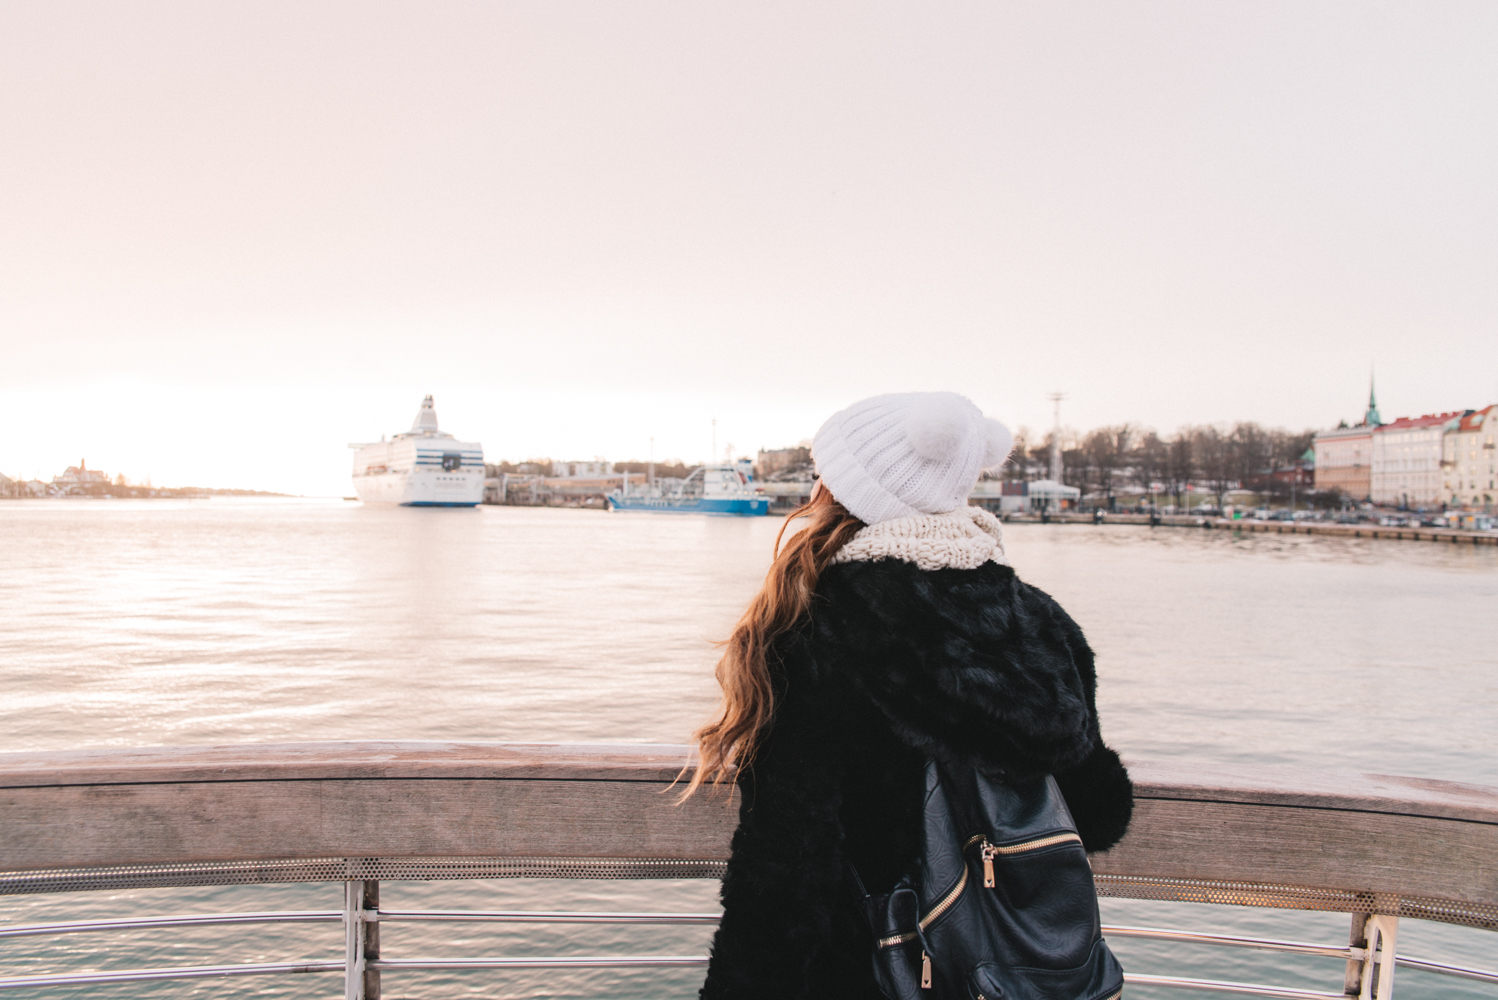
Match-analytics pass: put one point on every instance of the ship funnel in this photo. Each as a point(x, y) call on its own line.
point(426, 418)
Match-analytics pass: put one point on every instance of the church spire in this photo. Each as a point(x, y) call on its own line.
point(1371, 418)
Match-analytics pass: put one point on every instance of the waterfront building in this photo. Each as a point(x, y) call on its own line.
point(782, 460)
point(526, 489)
point(597, 469)
point(1344, 461)
point(1343, 456)
point(989, 494)
point(79, 477)
point(1407, 457)
point(786, 494)
point(594, 487)
point(1299, 476)
point(1469, 460)
point(531, 489)
point(1035, 497)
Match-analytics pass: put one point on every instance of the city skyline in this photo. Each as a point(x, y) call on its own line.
point(1035, 438)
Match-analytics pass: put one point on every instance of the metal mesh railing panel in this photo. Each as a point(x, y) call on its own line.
point(1295, 897)
point(342, 869)
point(1480, 915)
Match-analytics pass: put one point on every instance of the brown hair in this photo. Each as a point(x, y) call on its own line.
point(726, 745)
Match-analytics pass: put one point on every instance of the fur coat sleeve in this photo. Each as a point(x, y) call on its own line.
point(975, 665)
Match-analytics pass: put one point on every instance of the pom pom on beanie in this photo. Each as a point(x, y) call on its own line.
point(1000, 444)
point(907, 454)
point(935, 423)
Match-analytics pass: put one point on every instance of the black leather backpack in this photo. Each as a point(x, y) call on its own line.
point(1001, 904)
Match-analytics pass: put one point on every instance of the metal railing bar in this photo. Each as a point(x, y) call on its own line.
point(186, 972)
point(555, 962)
point(551, 916)
point(1481, 975)
point(1214, 986)
point(1264, 944)
point(179, 920)
point(663, 961)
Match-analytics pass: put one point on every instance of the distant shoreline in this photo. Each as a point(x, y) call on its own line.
point(158, 493)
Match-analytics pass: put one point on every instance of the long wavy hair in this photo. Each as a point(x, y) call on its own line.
point(727, 745)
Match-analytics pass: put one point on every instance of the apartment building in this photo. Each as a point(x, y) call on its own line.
point(1406, 460)
point(1344, 455)
point(1344, 461)
point(1469, 463)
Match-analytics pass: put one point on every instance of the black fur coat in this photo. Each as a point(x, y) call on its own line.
point(895, 664)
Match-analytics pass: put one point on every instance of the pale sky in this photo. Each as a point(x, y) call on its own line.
point(236, 236)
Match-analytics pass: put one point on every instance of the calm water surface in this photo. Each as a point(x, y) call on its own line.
point(168, 622)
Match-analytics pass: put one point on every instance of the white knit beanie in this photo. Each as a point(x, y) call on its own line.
point(907, 454)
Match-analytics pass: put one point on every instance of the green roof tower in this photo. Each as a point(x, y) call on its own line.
point(1371, 418)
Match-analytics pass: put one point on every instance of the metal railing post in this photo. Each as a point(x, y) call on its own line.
point(371, 938)
point(358, 929)
point(1352, 980)
point(1370, 970)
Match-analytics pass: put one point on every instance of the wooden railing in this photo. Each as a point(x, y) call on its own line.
point(1378, 847)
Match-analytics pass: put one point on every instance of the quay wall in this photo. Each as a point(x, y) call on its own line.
point(1448, 535)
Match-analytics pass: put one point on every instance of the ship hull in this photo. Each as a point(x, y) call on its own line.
point(418, 490)
point(725, 507)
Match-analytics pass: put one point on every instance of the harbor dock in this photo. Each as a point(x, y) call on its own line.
point(1394, 532)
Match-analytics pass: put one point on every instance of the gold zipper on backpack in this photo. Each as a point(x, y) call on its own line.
point(942, 906)
point(991, 851)
point(988, 853)
point(946, 901)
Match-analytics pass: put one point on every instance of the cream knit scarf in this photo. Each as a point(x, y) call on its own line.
point(966, 538)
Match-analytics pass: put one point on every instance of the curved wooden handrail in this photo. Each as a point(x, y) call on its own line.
point(1360, 833)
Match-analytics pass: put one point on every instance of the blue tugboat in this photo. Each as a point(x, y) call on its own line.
point(710, 489)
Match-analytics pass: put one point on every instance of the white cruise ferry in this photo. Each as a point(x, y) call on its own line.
point(423, 467)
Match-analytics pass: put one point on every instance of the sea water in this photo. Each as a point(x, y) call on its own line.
point(129, 623)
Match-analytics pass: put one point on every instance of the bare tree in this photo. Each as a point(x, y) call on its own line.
point(1076, 470)
point(1017, 469)
point(1180, 465)
point(1106, 453)
point(1104, 459)
point(1214, 460)
point(1287, 447)
point(1251, 452)
point(1149, 463)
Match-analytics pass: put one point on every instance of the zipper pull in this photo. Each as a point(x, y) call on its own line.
point(925, 971)
point(988, 854)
